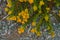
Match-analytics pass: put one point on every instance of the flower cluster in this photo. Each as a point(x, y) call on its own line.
point(20, 30)
point(34, 12)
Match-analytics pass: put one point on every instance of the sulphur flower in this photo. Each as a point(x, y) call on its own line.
point(47, 8)
point(38, 33)
point(41, 3)
point(9, 3)
point(34, 7)
point(52, 34)
point(8, 18)
point(21, 0)
point(20, 30)
point(33, 30)
point(23, 22)
point(25, 0)
point(18, 19)
point(33, 23)
point(22, 13)
point(24, 16)
point(13, 18)
point(31, 1)
point(46, 17)
point(19, 14)
point(26, 10)
point(10, 12)
point(6, 9)
point(27, 16)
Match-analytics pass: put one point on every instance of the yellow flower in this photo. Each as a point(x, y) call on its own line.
point(27, 16)
point(38, 33)
point(41, 3)
point(9, 5)
point(33, 30)
point(10, 12)
point(6, 9)
point(8, 18)
point(8, 0)
point(34, 7)
point(53, 34)
point(25, 0)
point(19, 14)
point(23, 22)
point(21, 0)
point(46, 17)
point(18, 19)
point(26, 10)
point(24, 16)
point(13, 18)
point(30, 1)
point(22, 13)
point(33, 24)
point(20, 30)
point(48, 9)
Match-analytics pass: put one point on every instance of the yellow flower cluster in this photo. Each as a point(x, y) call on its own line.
point(11, 18)
point(46, 17)
point(33, 24)
point(47, 8)
point(6, 9)
point(23, 0)
point(20, 30)
point(41, 3)
point(22, 17)
point(9, 3)
point(31, 1)
point(33, 30)
point(9, 12)
point(35, 8)
point(24, 14)
point(38, 33)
